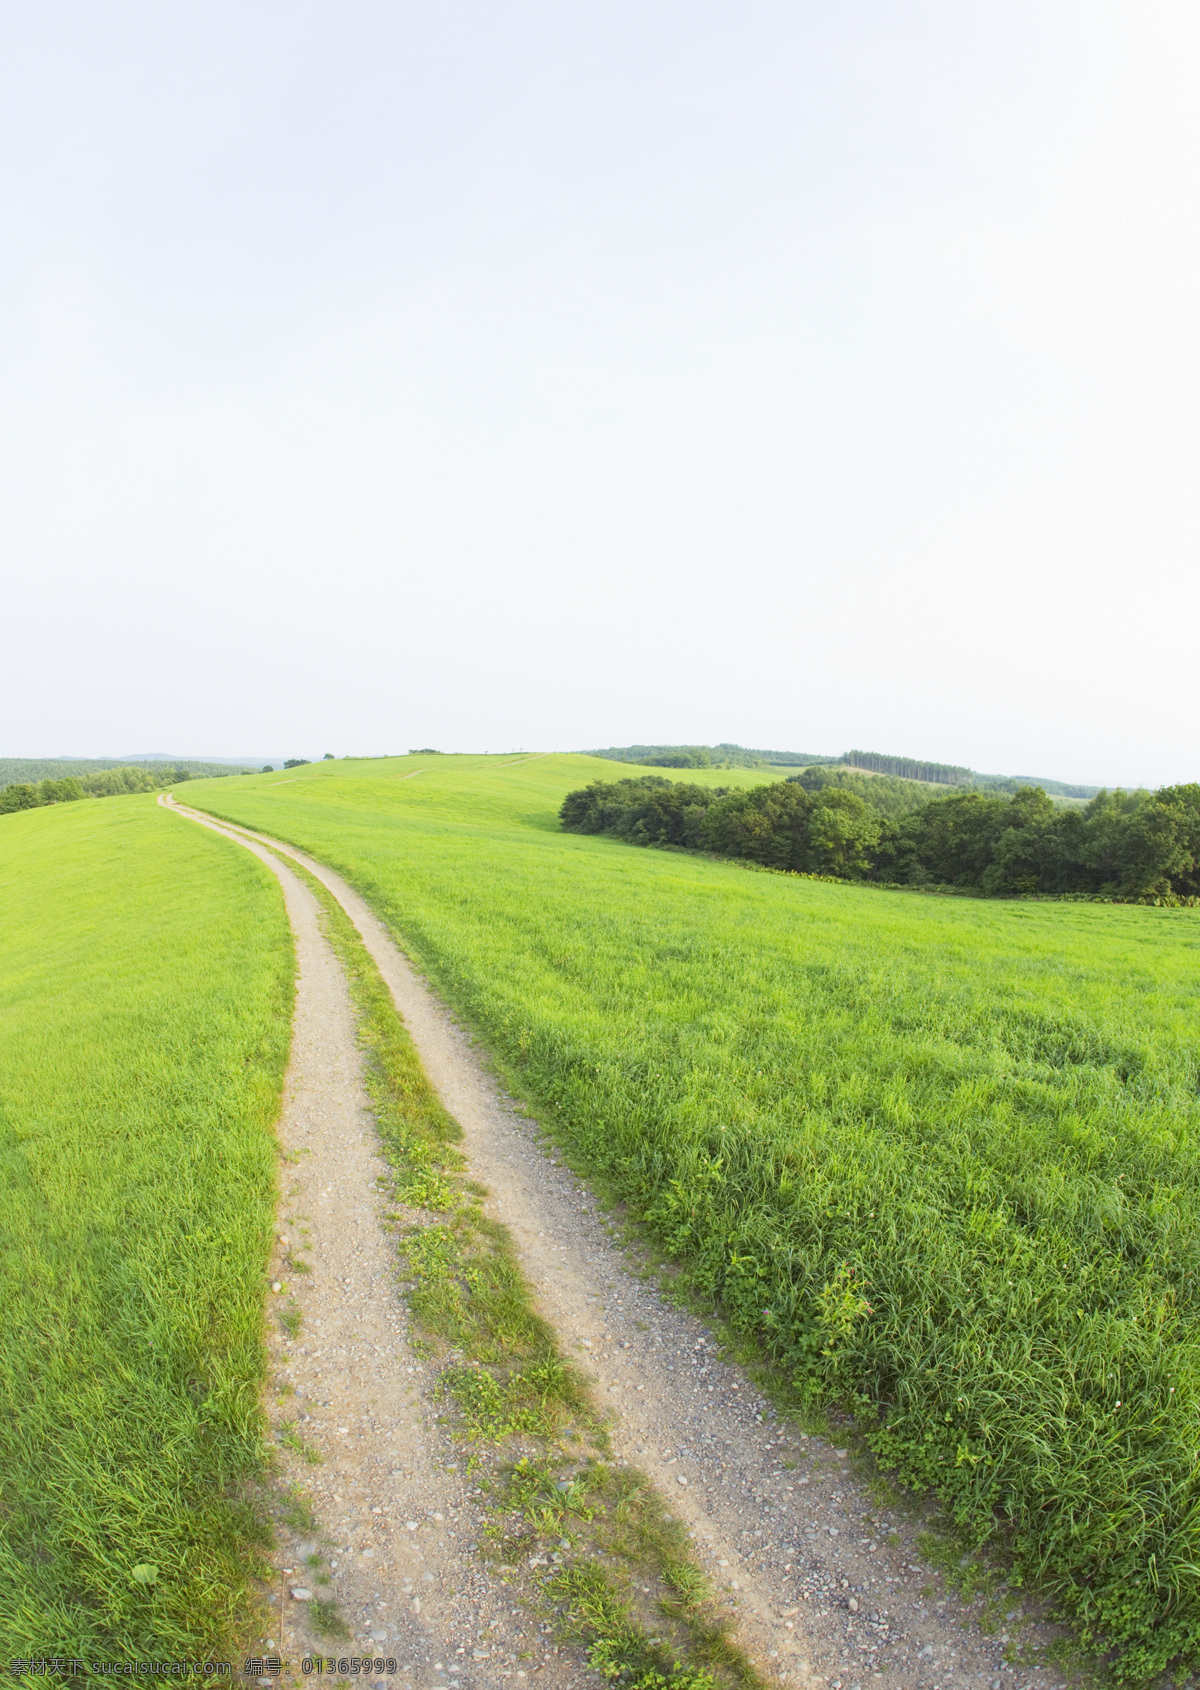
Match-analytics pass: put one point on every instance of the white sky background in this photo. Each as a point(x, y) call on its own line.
point(526, 375)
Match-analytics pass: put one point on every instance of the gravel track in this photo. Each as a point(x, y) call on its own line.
point(823, 1583)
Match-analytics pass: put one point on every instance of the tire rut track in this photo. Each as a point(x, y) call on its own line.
point(824, 1583)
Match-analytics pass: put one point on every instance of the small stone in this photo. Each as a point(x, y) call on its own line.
point(679, 1479)
point(300, 1594)
point(925, 1654)
point(411, 1525)
point(276, 1286)
point(853, 1604)
point(841, 1454)
point(283, 1238)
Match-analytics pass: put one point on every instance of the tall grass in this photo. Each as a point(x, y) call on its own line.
point(145, 990)
point(938, 1158)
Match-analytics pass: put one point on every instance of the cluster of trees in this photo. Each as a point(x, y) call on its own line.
point(890, 796)
point(723, 756)
point(108, 783)
point(1133, 845)
point(27, 795)
point(105, 783)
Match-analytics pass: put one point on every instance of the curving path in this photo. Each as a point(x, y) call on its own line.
point(825, 1584)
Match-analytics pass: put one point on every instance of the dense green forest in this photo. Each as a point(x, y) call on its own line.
point(30, 770)
point(1143, 846)
point(706, 757)
point(104, 783)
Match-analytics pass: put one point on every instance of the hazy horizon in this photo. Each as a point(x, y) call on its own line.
point(259, 759)
point(514, 375)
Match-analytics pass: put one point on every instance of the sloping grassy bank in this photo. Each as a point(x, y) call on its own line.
point(939, 1158)
point(145, 1000)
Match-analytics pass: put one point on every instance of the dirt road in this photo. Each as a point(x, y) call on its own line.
point(824, 1583)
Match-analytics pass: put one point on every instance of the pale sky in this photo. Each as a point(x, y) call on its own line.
point(497, 376)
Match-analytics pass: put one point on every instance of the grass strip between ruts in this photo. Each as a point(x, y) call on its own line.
point(601, 1561)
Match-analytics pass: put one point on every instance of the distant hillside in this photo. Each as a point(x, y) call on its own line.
point(708, 757)
point(240, 763)
point(15, 771)
point(951, 774)
point(728, 756)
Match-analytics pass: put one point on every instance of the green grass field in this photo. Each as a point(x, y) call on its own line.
point(937, 1156)
point(145, 1000)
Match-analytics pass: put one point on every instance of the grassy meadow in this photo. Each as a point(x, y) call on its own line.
point(145, 1001)
point(936, 1156)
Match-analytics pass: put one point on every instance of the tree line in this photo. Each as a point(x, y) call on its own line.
point(1141, 846)
point(911, 768)
point(105, 783)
